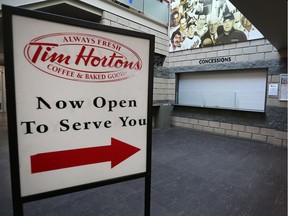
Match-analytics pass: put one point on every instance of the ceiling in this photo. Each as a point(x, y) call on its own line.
point(269, 17)
point(65, 9)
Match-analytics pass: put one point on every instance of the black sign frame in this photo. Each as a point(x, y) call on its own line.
point(18, 200)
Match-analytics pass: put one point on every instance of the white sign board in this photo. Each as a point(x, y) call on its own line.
point(273, 89)
point(81, 99)
point(283, 87)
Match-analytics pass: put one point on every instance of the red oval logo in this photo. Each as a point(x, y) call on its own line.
point(82, 57)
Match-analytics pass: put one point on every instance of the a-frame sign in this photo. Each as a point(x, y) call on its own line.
point(79, 98)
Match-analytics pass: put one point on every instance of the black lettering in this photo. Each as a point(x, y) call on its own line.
point(132, 103)
point(77, 126)
point(122, 103)
point(142, 122)
point(97, 124)
point(42, 128)
point(28, 126)
point(86, 125)
point(132, 122)
point(75, 104)
point(124, 121)
point(112, 104)
point(41, 100)
point(59, 106)
point(215, 60)
point(107, 124)
point(63, 123)
point(96, 103)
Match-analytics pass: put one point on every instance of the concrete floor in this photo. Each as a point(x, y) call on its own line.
point(193, 174)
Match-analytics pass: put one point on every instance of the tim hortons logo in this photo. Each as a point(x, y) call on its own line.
point(82, 57)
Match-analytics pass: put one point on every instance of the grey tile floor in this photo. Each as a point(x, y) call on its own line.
point(193, 174)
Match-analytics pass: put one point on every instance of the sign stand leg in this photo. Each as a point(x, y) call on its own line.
point(18, 209)
point(147, 194)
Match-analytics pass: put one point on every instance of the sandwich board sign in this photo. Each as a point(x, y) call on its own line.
point(79, 104)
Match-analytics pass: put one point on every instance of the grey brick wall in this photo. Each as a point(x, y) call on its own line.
point(246, 51)
point(270, 127)
point(271, 136)
point(161, 39)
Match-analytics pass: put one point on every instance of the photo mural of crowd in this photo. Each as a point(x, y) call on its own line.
point(204, 23)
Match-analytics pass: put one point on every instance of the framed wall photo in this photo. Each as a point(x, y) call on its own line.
point(283, 87)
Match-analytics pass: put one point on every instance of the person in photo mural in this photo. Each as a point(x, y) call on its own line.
point(230, 34)
point(183, 27)
point(210, 17)
point(175, 21)
point(174, 5)
point(194, 8)
point(221, 7)
point(214, 31)
point(191, 41)
point(176, 41)
point(251, 31)
point(237, 20)
point(183, 12)
point(201, 25)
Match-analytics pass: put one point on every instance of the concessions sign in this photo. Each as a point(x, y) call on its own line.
point(79, 103)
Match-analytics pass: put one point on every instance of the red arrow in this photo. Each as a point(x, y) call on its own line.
point(117, 152)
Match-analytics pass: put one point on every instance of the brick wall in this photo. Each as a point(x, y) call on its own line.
point(272, 136)
point(269, 127)
point(161, 39)
point(239, 52)
point(163, 90)
point(164, 86)
point(245, 55)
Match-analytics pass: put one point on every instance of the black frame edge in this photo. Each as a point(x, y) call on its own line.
point(11, 110)
point(18, 200)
